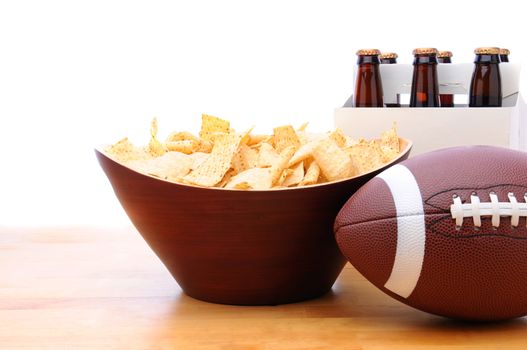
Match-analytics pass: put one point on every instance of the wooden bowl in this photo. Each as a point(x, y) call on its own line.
point(240, 247)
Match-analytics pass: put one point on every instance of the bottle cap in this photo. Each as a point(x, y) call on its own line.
point(368, 52)
point(388, 55)
point(505, 52)
point(444, 54)
point(487, 51)
point(425, 51)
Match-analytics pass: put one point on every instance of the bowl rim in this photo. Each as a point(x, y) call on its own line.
point(402, 153)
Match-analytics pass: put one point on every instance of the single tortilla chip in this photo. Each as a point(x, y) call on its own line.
point(389, 139)
point(284, 137)
point(312, 174)
point(155, 147)
point(366, 156)
point(251, 179)
point(171, 166)
point(338, 136)
point(124, 151)
point(296, 175)
point(244, 159)
point(205, 146)
point(226, 178)
point(246, 137)
point(183, 146)
point(334, 163)
point(182, 136)
point(197, 159)
point(304, 152)
point(282, 164)
point(257, 139)
point(213, 169)
point(303, 127)
point(211, 125)
point(267, 156)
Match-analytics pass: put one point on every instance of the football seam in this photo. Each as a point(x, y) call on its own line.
point(437, 217)
point(379, 219)
point(446, 210)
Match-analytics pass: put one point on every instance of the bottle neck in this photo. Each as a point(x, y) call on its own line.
point(487, 59)
point(368, 59)
point(425, 59)
point(444, 60)
point(504, 58)
point(388, 60)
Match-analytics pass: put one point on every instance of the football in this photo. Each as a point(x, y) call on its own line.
point(445, 232)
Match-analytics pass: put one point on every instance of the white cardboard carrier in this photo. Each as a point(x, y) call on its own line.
point(434, 128)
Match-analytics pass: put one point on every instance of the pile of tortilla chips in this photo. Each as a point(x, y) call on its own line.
point(221, 157)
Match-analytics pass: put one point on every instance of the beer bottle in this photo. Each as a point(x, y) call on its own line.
point(425, 89)
point(368, 84)
point(390, 58)
point(485, 86)
point(446, 100)
point(504, 55)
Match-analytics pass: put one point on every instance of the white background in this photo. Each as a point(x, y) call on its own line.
point(76, 74)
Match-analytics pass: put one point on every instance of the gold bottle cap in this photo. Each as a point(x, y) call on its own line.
point(425, 51)
point(388, 55)
point(487, 51)
point(505, 52)
point(444, 54)
point(368, 52)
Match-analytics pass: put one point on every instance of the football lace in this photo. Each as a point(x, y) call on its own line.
point(496, 209)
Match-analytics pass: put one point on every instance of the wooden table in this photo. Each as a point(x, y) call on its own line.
point(79, 288)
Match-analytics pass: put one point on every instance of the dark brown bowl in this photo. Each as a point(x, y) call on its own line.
point(240, 247)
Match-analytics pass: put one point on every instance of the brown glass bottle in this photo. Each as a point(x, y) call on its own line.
point(446, 100)
point(368, 84)
point(425, 89)
point(504, 55)
point(485, 86)
point(390, 58)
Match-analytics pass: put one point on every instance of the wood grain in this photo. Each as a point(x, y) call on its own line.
point(80, 288)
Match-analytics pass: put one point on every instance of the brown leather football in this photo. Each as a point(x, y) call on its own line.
point(445, 232)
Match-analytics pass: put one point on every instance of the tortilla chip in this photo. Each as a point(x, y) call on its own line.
point(295, 176)
point(284, 137)
point(183, 146)
point(390, 140)
point(303, 127)
point(312, 174)
point(244, 159)
point(213, 169)
point(338, 136)
point(155, 147)
point(366, 156)
point(246, 137)
point(226, 178)
point(304, 152)
point(197, 159)
point(267, 156)
point(334, 163)
point(171, 166)
point(182, 136)
point(278, 168)
point(257, 139)
point(124, 151)
point(255, 178)
point(211, 125)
